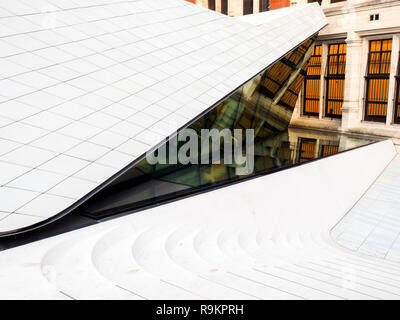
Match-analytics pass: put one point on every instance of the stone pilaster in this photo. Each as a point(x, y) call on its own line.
point(218, 5)
point(351, 109)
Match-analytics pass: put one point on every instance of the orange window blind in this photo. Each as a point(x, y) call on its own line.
point(327, 150)
point(377, 80)
point(335, 80)
point(306, 149)
point(312, 83)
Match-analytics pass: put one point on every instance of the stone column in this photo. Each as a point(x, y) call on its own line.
point(351, 109)
point(256, 6)
point(203, 3)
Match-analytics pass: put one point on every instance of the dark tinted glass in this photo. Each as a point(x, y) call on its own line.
point(247, 7)
point(224, 6)
point(264, 5)
point(211, 4)
point(264, 104)
point(397, 99)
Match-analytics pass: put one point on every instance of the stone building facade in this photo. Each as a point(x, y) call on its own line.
point(353, 83)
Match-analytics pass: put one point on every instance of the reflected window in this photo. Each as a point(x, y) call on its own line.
point(312, 83)
point(328, 149)
point(264, 5)
point(247, 7)
point(224, 7)
point(335, 78)
point(307, 149)
point(377, 80)
point(211, 4)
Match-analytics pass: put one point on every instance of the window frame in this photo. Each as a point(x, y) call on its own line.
point(300, 152)
point(312, 77)
point(211, 5)
point(334, 77)
point(324, 147)
point(248, 7)
point(224, 7)
point(263, 5)
point(369, 77)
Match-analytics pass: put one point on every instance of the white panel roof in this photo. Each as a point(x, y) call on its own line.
point(88, 86)
point(372, 226)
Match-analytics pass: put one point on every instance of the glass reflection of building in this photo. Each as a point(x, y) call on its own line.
point(264, 104)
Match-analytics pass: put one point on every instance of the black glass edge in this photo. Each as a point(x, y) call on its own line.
point(71, 222)
point(209, 188)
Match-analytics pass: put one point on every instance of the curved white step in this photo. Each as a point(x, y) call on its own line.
point(68, 266)
point(113, 258)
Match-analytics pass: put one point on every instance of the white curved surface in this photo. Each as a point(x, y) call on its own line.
point(88, 86)
point(372, 226)
point(260, 239)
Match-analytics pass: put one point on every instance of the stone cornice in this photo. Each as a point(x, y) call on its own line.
point(334, 36)
point(378, 31)
point(349, 8)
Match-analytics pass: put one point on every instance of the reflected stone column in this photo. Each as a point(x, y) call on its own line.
point(235, 8)
point(353, 81)
point(347, 142)
point(218, 5)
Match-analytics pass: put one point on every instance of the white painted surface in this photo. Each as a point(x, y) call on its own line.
point(373, 225)
point(88, 86)
point(266, 238)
